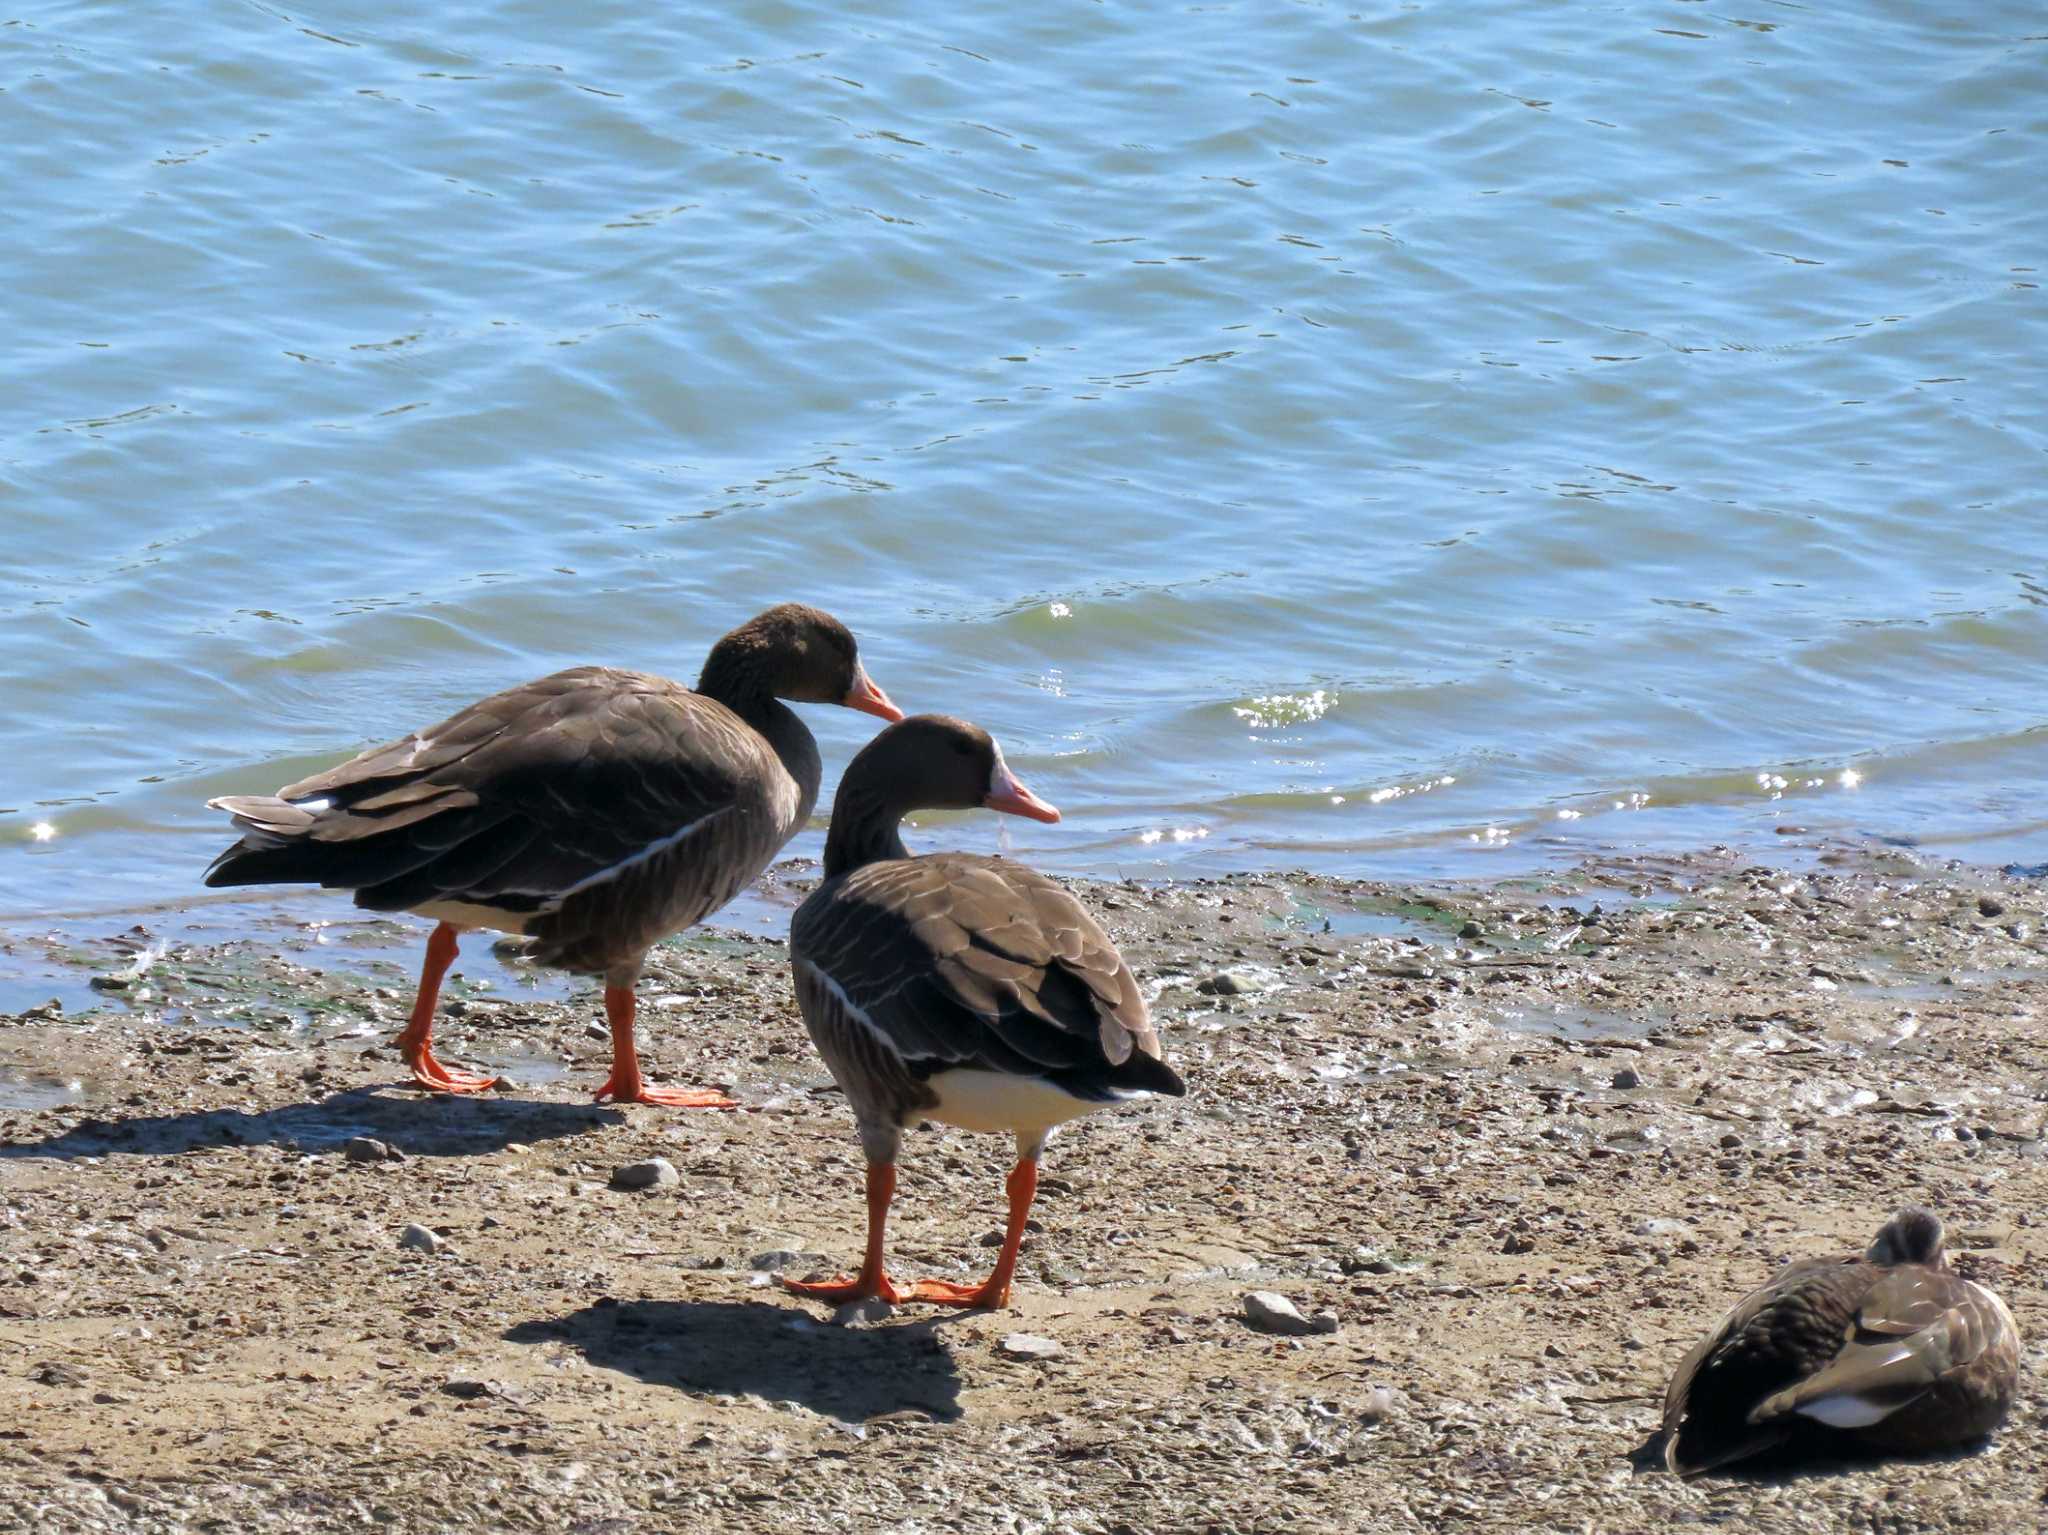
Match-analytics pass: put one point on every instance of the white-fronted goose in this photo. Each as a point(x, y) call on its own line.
point(1891, 1350)
point(595, 811)
point(954, 987)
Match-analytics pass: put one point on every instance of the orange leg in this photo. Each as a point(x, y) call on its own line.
point(994, 1292)
point(625, 1084)
point(870, 1281)
point(416, 1043)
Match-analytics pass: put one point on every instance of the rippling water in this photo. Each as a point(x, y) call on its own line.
point(1374, 438)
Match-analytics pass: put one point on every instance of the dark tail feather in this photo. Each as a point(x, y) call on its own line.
point(337, 865)
point(1148, 1074)
point(455, 873)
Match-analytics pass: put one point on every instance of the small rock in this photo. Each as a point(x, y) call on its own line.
point(1518, 1242)
point(1471, 930)
point(1990, 906)
point(52, 1373)
point(654, 1173)
point(361, 1148)
point(1327, 1323)
point(1628, 1077)
point(468, 1387)
point(1659, 1226)
point(1730, 1141)
point(1028, 1345)
point(419, 1238)
point(1270, 1311)
point(1595, 935)
point(863, 1313)
point(109, 983)
point(1378, 1406)
point(2018, 932)
point(1226, 983)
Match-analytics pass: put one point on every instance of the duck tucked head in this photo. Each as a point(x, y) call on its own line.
point(794, 652)
point(927, 762)
point(1914, 1235)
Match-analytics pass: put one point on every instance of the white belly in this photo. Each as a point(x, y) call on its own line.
point(463, 915)
point(992, 1100)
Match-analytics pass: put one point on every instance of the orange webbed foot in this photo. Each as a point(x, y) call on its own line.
point(634, 1090)
point(981, 1297)
point(845, 1288)
point(432, 1075)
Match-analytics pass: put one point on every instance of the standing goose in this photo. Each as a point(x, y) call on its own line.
point(1893, 1350)
point(954, 987)
point(595, 811)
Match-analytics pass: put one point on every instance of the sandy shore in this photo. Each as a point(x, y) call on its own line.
point(1525, 1140)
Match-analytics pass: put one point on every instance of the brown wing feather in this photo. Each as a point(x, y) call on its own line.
point(519, 800)
point(1907, 1357)
point(966, 961)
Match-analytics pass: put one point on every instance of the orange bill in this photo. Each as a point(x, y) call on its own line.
point(1006, 794)
point(868, 698)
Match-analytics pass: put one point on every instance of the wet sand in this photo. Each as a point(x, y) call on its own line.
point(1525, 1140)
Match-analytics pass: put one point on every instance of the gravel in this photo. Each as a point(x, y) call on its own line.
point(1420, 1139)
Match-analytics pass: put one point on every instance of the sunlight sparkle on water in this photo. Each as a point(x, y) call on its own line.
point(1399, 791)
point(1271, 709)
point(42, 831)
point(1177, 833)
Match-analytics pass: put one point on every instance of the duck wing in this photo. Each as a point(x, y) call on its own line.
point(1916, 1326)
point(515, 803)
point(1772, 1339)
point(957, 961)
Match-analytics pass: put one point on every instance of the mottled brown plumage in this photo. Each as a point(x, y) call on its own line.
point(594, 810)
point(957, 960)
point(966, 989)
point(1890, 1350)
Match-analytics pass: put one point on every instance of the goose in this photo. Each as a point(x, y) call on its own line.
point(594, 811)
point(1892, 1350)
point(954, 987)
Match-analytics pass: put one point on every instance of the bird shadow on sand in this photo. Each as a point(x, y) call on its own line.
point(778, 1353)
point(414, 1124)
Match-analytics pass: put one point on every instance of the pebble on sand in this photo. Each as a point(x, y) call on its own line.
point(1227, 983)
point(1270, 1311)
point(362, 1148)
point(1378, 1406)
point(1029, 1345)
point(654, 1173)
point(419, 1238)
point(863, 1313)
